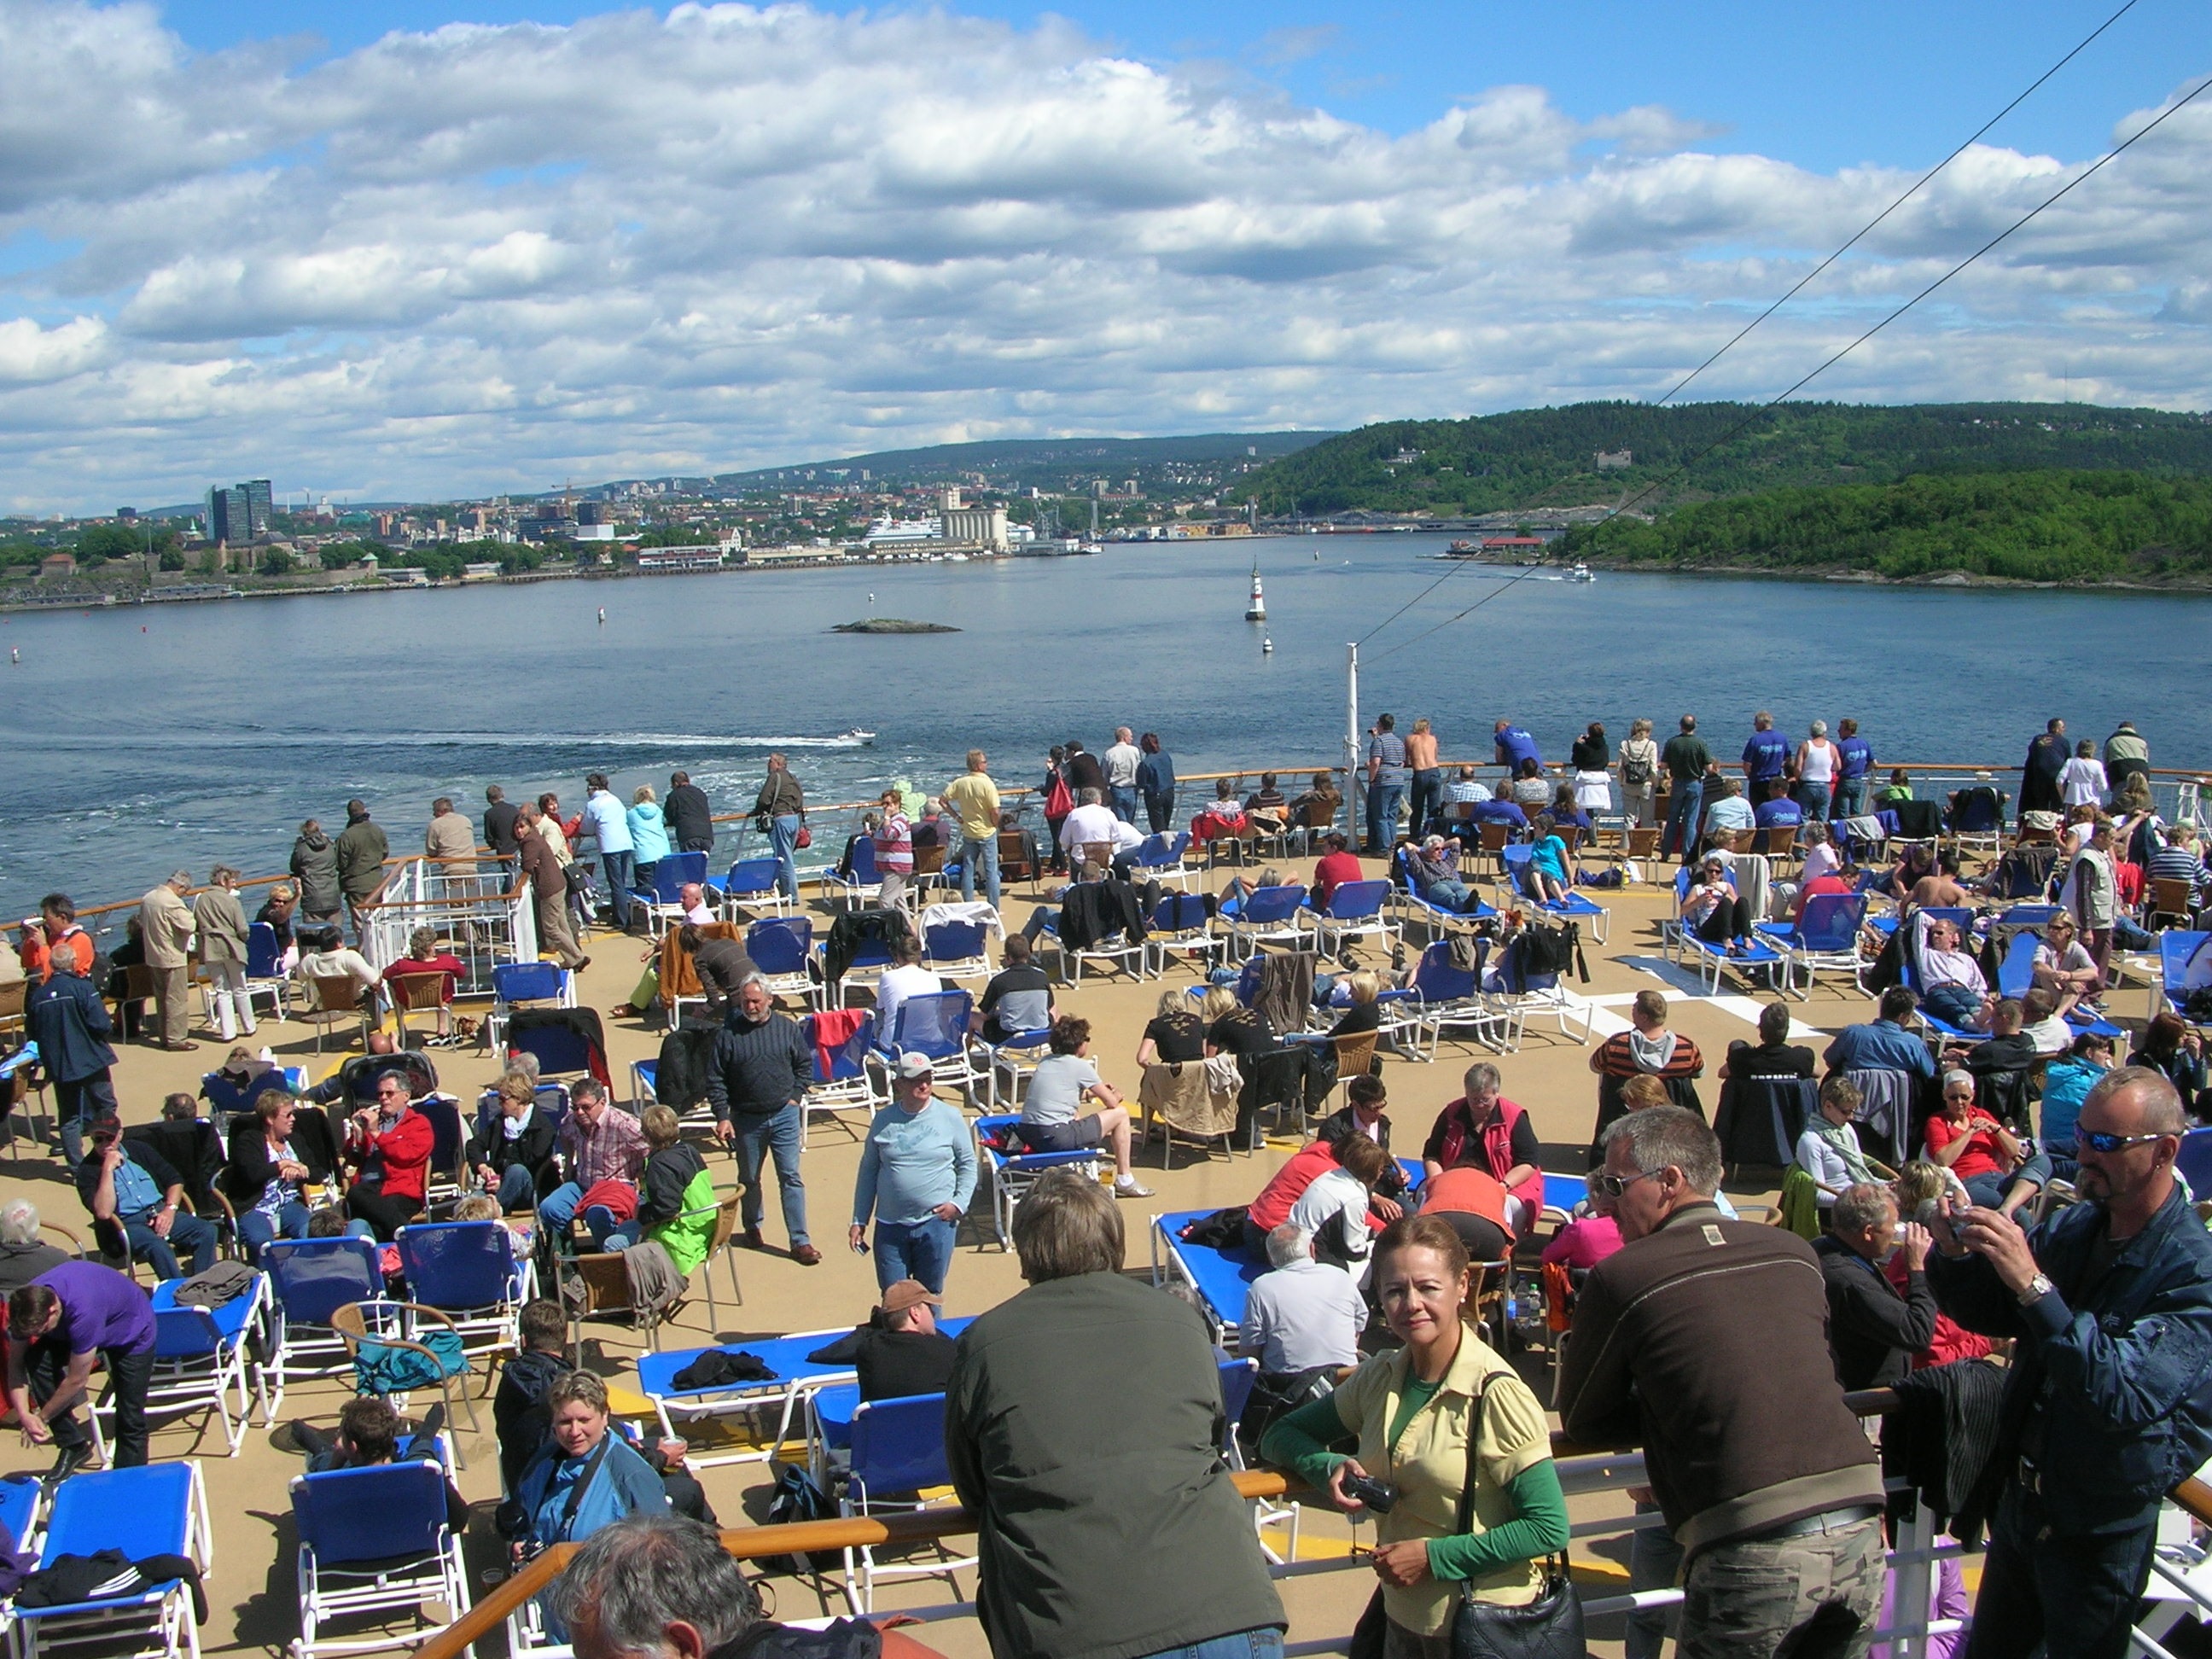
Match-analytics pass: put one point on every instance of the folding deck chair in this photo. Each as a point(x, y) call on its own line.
point(1353, 911)
point(938, 1025)
point(955, 949)
point(1583, 912)
point(1262, 915)
point(663, 901)
point(849, 1083)
point(468, 1271)
point(750, 885)
point(158, 1509)
point(1179, 922)
point(1013, 1173)
point(1824, 940)
point(860, 882)
point(545, 984)
point(374, 1540)
point(1160, 858)
point(897, 1455)
point(310, 1279)
point(201, 1355)
point(781, 948)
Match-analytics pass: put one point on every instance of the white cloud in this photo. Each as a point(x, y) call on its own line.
point(489, 257)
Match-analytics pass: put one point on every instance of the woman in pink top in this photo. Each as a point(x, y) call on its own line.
point(1584, 1244)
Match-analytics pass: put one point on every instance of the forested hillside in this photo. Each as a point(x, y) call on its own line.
point(2028, 526)
point(1548, 456)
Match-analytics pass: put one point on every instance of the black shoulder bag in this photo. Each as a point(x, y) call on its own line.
point(1549, 1627)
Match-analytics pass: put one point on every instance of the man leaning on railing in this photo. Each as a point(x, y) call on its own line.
point(2109, 1399)
point(1705, 1341)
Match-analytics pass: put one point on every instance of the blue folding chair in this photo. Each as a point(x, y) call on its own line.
point(1179, 922)
point(264, 968)
point(310, 1279)
point(467, 1271)
point(898, 1454)
point(373, 1540)
point(1447, 996)
point(200, 1356)
point(1826, 939)
point(858, 882)
point(664, 900)
point(446, 1176)
point(1263, 915)
point(2176, 949)
point(752, 884)
point(938, 1026)
point(517, 982)
point(22, 1507)
point(849, 1082)
point(1013, 1173)
point(158, 1509)
point(2194, 1162)
point(955, 949)
point(1407, 897)
point(1354, 910)
point(781, 947)
point(1520, 864)
point(1159, 857)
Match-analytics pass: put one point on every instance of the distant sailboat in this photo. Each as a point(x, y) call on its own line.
point(1257, 610)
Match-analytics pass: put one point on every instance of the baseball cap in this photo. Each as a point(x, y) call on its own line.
point(912, 1066)
point(898, 1297)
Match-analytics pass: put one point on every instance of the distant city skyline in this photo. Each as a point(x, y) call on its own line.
point(561, 241)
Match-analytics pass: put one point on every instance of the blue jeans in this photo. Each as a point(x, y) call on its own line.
point(76, 1103)
point(783, 840)
point(1851, 797)
point(1682, 818)
point(915, 1249)
point(1383, 803)
point(775, 1135)
point(2073, 1596)
point(1427, 798)
point(1989, 1190)
point(1266, 1643)
point(1814, 798)
point(186, 1232)
point(258, 1229)
point(517, 1190)
point(1124, 803)
point(559, 1209)
point(1452, 895)
point(621, 870)
point(985, 853)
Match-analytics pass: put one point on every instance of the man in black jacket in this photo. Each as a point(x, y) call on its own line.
point(1874, 1331)
point(72, 1025)
point(900, 1351)
point(2108, 1401)
point(690, 820)
point(756, 1077)
point(499, 827)
point(1363, 1115)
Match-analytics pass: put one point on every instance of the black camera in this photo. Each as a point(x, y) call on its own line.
point(1379, 1496)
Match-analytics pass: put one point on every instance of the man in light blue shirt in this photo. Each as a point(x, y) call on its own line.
point(1730, 812)
point(1885, 1044)
point(606, 822)
point(917, 1174)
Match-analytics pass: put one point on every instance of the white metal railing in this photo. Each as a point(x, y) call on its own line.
point(466, 905)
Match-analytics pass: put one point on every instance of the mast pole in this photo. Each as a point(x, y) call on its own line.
point(1352, 780)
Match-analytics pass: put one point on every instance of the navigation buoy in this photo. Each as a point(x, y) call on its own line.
point(1267, 646)
point(602, 616)
point(15, 653)
point(1257, 610)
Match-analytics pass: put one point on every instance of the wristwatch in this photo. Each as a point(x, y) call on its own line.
point(2038, 1288)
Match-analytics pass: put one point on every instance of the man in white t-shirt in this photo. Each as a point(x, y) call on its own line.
point(1053, 1118)
point(1121, 762)
point(906, 978)
point(1091, 820)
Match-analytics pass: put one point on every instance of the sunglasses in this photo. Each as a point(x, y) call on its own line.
point(2098, 1141)
point(1614, 1186)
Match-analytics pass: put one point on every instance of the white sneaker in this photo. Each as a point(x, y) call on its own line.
point(1127, 1186)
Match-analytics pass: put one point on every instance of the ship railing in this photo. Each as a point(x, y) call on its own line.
point(2180, 795)
point(467, 905)
point(1911, 1560)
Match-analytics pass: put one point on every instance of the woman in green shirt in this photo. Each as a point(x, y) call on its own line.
point(1412, 1411)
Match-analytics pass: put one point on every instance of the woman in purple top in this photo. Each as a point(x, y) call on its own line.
point(57, 1325)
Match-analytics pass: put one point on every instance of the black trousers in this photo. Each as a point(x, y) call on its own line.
point(128, 1375)
point(386, 1216)
point(1731, 919)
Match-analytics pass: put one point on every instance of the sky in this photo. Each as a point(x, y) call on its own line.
point(436, 250)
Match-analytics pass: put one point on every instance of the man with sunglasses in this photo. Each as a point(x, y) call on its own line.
point(1705, 1341)
point(2108, 1401)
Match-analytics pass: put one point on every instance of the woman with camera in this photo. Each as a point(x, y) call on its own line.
point(1454, 1459)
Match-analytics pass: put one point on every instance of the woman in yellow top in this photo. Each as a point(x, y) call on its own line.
point(1413, 1411)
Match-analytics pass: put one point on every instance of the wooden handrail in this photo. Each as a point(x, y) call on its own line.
point(927, 1526)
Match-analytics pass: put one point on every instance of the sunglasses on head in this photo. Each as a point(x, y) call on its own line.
point(2098, 1141)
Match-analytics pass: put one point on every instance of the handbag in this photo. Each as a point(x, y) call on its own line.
point(805, 838)
point(1549, 1627)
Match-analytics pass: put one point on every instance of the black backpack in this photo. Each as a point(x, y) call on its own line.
point(1548, 950)
point(795, 1498)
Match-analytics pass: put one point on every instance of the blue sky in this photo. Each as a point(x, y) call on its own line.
point(362, 255)
point(1825, 85)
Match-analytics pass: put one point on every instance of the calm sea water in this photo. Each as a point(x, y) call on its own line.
point(144, 738)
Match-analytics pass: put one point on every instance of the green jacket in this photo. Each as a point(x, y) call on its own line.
point(1108, 1529)
point(687, 1237)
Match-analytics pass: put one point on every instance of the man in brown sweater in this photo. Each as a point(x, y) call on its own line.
point(1705, 1341)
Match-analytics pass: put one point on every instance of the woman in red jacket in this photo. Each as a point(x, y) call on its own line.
point(391, 1145)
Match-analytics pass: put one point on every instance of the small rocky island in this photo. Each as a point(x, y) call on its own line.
point(893, 625)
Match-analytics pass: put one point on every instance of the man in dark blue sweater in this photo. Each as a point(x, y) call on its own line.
point(760, 1069)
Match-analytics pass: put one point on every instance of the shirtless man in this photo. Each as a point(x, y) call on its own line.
point(1940, 889)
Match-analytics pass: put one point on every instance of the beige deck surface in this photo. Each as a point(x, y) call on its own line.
point(251, 1592)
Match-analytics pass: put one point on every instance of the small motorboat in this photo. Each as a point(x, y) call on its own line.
point(1582, 572)
point(855, 734)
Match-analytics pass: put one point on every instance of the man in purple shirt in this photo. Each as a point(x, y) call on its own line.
point(57, 1325)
